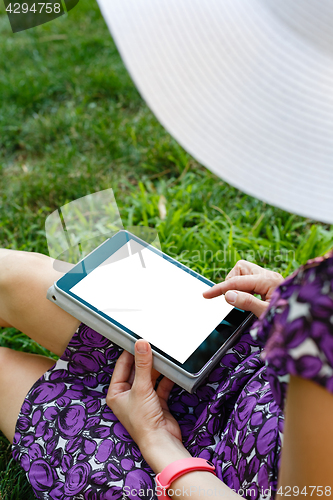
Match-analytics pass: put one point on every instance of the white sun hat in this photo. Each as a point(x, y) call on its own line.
point(245, 86)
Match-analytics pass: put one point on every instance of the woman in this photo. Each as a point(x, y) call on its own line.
point(72, 445)
point(246, 88)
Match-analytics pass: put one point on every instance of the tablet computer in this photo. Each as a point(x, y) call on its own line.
point(126, 289)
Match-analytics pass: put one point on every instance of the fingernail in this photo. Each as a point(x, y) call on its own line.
point(142, 347)
point(231, 297)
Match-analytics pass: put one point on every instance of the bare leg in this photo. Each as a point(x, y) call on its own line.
point(24, 280)
point(18, 372)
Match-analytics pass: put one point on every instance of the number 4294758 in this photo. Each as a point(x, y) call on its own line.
point(316, 491)
point(35, 8)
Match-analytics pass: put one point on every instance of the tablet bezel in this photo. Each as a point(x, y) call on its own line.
point(196, 362)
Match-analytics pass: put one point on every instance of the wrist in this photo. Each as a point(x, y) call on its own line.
point(161, 449)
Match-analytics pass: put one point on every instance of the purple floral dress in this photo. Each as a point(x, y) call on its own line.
point(72, 446)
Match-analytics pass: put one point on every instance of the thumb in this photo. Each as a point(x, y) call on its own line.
point(246, 301)
point(143, 363)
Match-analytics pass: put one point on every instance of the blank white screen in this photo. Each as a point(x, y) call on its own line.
point(154, 298)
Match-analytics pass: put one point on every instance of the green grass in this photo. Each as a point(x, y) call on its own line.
point(72, 123)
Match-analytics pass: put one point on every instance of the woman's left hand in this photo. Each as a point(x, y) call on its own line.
point(142, 410)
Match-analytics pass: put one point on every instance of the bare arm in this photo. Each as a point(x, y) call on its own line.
point(307, 454)
point(145, 414)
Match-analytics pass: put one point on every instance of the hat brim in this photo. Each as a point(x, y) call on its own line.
point(243, 92)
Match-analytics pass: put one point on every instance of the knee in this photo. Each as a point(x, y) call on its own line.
point(16, 267)
point(11, 266)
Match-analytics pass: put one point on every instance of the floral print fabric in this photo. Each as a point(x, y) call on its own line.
point(72, 446)
point(297, 330)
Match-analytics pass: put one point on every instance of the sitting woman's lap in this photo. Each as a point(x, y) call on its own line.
point(24, 280)
point(71, 445)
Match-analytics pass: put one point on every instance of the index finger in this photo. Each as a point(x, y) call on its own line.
point(251, 283)
point(243, 268)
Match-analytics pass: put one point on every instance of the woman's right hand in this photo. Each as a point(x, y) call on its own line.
point(244, 280)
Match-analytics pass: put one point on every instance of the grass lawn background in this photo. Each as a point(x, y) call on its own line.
point(71, 124)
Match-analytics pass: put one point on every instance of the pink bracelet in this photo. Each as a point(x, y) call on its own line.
point(179, 468)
